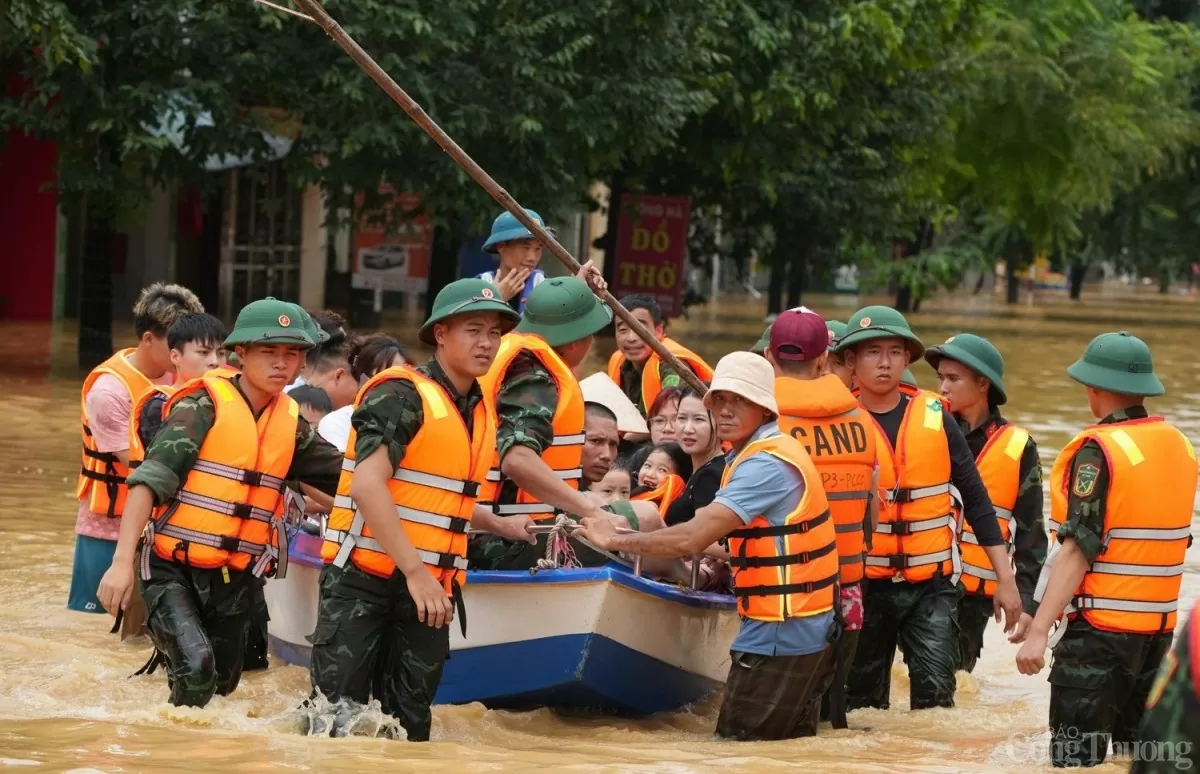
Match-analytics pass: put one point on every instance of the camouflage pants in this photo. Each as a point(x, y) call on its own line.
point(1170, 735)
point(974, 612)
point(1099, 683)
point(198, 621)
point(368, 642)
point(923, 619)
point(774, 697)
point(256, 637)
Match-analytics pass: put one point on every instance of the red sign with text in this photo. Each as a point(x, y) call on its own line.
point(652, 249)
point(390, 253)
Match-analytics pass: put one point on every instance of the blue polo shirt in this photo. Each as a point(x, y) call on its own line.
point(766, 485)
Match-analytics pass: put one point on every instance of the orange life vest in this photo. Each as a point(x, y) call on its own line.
point(791, 570)
point(664, 494)
point(137, 450)
point(999, 464)
point(102, 475)
point(840, 438)
point(652, 373)
point(565, 454)
point(434, 488)
point(226, 370)
point(915, 537)
point(1133, 585)
point(226, 514)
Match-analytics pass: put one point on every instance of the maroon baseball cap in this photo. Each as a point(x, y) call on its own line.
point(799, 334)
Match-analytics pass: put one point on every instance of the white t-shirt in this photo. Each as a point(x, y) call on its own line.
point(335, 427)
point(298, 383)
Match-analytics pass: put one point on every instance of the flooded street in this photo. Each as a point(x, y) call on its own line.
point(66, 703)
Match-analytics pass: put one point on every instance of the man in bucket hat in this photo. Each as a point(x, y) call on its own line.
point(971, 379)
point(215, 473)
point(911, 592)
point(1122, 495)
point(520, 253)
point(773, 509)
point(418, 452)
point(541, 415)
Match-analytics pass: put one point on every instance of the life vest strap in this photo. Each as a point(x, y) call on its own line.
point(266, 553)
point(1003, 513)
point(1141, 533)
point(855, 559)
point(979, 572)
point(848, 528)
point(905, 561)
point(910, 495)
point(783, 589)
point(901, 528)
point(569, 440)
point(239, 510)
point(104, 478)
point(522, 509)
point(494, 475)
point(793, 528)
point(858, 494)
point(1053, 526)
point(108, 457)
point(240, 475)
point(349, 541)
point(1158, 571)
point(747, 562)
point(452, 485)
point(1123, 605)
point(453, 524)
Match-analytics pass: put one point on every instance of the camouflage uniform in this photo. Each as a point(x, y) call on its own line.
point(1029, 544)
point(368, 640)
point(631, 381)
point(1099, 680)
point(1170, 736)
point(198, 619)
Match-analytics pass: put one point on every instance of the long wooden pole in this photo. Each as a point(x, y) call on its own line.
point(317, 13)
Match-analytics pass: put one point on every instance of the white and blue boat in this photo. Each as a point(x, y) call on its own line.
point(596, 639)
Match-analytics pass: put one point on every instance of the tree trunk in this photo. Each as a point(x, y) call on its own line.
point(1014, 285)
point(95, 289)
point(797, 278)
point(443, 262)
point(1164, 279)
point(979, 283)
point(903, 299)
point(608, 242)
point(775, 290)
point(1075, 280)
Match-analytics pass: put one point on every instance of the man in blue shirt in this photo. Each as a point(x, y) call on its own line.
point(772, 507)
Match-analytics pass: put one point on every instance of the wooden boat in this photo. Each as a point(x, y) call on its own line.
point(597, 639)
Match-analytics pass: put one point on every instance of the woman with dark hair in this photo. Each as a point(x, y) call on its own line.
point(661, 416)
point(368, 356)
point(697, 436)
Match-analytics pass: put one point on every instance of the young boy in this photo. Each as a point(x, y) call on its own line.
point(313, 401)
point(108, 395)
point(218, 466)
point(519, 253)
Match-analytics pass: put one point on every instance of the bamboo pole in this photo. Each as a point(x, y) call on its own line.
point(318, 15)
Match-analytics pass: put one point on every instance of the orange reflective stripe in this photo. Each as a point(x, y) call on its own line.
point(839, 436)
point(226, 512)
point(565, 454)
point(773, 584)
point(434, 489)
point(999, 464)
point(914, 538)
point(102, 476)
point(1133, 586)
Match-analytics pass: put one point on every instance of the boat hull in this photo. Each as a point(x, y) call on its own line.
point(597, 639)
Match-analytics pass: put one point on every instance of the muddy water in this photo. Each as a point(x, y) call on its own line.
point(66, 703)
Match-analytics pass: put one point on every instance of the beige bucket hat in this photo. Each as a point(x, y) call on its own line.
point(598, 388)
point(745, 374)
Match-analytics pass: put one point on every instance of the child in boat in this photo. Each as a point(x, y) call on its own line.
point(313, 401)
point(616, 484)
point(663, 475)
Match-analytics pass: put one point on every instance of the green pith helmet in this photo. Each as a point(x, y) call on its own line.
point(506, 228)
point(1120, 363)
point(563, 310)
point(836, 329)
point(879, 322)
point(764, 341)
point(978, 354)
point(269, 321)
point(467, 296)
point(314, 331)
point(908, 378)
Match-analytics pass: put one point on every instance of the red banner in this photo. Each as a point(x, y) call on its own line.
point(652, 249)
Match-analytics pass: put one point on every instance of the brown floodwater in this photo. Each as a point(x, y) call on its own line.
point(67, 703)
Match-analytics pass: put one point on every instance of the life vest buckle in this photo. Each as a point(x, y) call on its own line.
point(446, 561)
point(459, 525)
point(898, 561)
point(252, 477)
point(470, 489)
point(901, 496)
point(242, 510)
point(901, 528)
point(231, 544)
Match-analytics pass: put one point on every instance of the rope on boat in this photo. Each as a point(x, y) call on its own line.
point(560, 552)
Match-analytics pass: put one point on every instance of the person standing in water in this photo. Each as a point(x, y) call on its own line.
point(1123, 492)
point(817, 409)
point(912, 568)
point(106, 415)
point(635, 368)
point(1172, 720)
point(970, 375)
point(520, 253)
point(396, 545)
point(212, 480)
